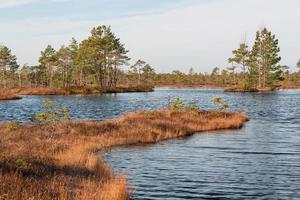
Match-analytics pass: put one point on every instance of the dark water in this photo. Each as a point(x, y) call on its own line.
point(260, 161)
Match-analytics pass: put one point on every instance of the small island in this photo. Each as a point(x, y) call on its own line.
point(259, 66)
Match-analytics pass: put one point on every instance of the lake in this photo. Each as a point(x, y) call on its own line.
point(260, 161)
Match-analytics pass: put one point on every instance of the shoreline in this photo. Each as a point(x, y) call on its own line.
point(10, 97)
point(258, 90)
point(190, 86)
point(60, 159)
point(6, 95)
point(16, 93)
point(233, 88)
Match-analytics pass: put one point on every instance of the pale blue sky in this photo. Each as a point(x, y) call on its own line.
point(87, 9)
point(169, 34)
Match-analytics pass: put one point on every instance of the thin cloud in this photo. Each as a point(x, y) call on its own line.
point(200, 36)
point(13, 3)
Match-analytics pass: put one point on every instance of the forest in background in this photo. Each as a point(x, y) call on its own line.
point(250, 68)
point(100, 59)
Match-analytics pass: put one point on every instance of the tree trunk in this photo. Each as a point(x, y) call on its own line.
point(20, 80)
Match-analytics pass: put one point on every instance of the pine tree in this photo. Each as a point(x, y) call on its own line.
point(65, 64)
point(148, 73)
point(75, 68)
point(264, 59)
point(102, 54)
point(215, 75)
point(241, 57)
point(8, 64)
point(232, 74)
point(136, 69)
point(48, 64)
point(118, 58)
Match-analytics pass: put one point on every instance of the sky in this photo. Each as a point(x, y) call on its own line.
point(168, 34)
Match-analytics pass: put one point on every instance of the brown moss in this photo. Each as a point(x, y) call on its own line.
point(58, 161)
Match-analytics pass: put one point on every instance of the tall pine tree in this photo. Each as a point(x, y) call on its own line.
point(8, 64)
point(48, 64)
point(264, 59)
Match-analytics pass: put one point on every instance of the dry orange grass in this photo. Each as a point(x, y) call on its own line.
point(77, 90)
point(289, 86)
point(59, 161)
point(8, 95)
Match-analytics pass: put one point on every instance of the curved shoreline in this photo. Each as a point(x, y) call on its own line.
point(57, 160)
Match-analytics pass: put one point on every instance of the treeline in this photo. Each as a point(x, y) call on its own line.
point(95, 61)
point(219, 78)
point(99, 60)
point(257, 67)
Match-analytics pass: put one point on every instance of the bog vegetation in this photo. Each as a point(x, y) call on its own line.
point(51, 113)
point(56, 158)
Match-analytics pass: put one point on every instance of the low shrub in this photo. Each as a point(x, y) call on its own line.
point(221, 106)
point(178, 104)
point(52, 113)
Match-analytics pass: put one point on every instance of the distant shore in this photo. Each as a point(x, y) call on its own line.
point(188, 86)
point(227, 88)
point(59, 160)
point(15, 93)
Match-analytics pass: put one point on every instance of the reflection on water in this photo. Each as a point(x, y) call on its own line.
point(260, 161)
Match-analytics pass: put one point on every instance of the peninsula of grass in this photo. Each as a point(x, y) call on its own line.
point(60, 160)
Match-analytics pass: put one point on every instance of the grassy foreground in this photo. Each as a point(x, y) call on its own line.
point(59, 161)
